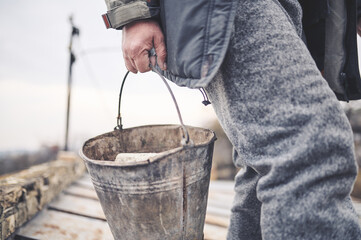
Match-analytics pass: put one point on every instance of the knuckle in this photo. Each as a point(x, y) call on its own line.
point(163, 53)
point(161, 50)
point(135, 45)
point(162, 56)
point(143, 68)
point(160, 39)
point(131, 50)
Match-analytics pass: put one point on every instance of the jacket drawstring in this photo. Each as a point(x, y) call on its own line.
point(206, 100)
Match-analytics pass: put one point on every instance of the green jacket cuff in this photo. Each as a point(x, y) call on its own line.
point(121, 15)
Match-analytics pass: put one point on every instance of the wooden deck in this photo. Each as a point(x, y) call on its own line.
point(76, 214)
point(23, 194)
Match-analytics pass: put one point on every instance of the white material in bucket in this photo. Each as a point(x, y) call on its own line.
point(133, 157)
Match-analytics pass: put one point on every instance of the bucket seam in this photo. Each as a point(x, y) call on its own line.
point(147, 183)
point(145, 188)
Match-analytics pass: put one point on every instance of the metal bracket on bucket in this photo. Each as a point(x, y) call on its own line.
point(185, 140)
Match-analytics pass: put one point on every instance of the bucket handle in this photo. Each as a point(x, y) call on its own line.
point(185, 140)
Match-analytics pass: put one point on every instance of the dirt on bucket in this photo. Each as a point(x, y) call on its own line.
point(151, 186)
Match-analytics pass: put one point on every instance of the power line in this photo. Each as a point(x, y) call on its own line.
point(96, 82)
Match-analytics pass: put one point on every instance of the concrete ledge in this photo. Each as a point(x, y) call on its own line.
point(25, 193)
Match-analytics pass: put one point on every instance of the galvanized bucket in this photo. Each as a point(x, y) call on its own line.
point(161, 197)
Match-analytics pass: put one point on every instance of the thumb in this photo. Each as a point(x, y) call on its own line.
point(161, 52)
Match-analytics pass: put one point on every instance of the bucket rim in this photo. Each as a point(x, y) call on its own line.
point(158, 157)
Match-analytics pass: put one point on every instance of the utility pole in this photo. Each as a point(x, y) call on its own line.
point(74, 32)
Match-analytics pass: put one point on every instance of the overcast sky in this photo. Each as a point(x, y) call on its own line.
point(34, 38)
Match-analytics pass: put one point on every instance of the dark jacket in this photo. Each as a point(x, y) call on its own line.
point(197, 34)
point(332, 43)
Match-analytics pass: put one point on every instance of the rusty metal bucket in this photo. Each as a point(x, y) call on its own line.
point(163, 196)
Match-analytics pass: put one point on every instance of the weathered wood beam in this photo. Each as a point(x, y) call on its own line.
point(25, 193)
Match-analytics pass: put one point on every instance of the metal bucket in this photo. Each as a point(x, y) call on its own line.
point(163, 197)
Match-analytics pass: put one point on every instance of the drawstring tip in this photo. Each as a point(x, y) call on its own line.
point(206, 102)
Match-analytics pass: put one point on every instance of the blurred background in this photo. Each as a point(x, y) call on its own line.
point(34, 62)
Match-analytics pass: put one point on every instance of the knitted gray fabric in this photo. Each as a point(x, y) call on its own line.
point(288, 131)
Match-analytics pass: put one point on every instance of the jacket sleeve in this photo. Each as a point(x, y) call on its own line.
point(358, 9)
point(122, 12)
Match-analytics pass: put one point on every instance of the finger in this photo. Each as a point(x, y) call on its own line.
point(152, 60)
point(128, 61)
point(129, 65)
point(142, 62)
point(161, 51)
point(133, 64)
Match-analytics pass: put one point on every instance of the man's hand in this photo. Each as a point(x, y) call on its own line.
point(138, 39)
point(359, 26)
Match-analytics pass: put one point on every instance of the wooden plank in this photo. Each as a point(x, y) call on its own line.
point(54, 225)
point(25, 193)
point(222, 186)
point(80, 206)
point(80, 201)
point(84, 183)
point(220, 195)
point(218, 212)
point(212, 232)
point(217, 221)
point(216, 208)
point(80, 191)
point(91, 208)
point(71, 201)
point(220, 201)
point(86, 177)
